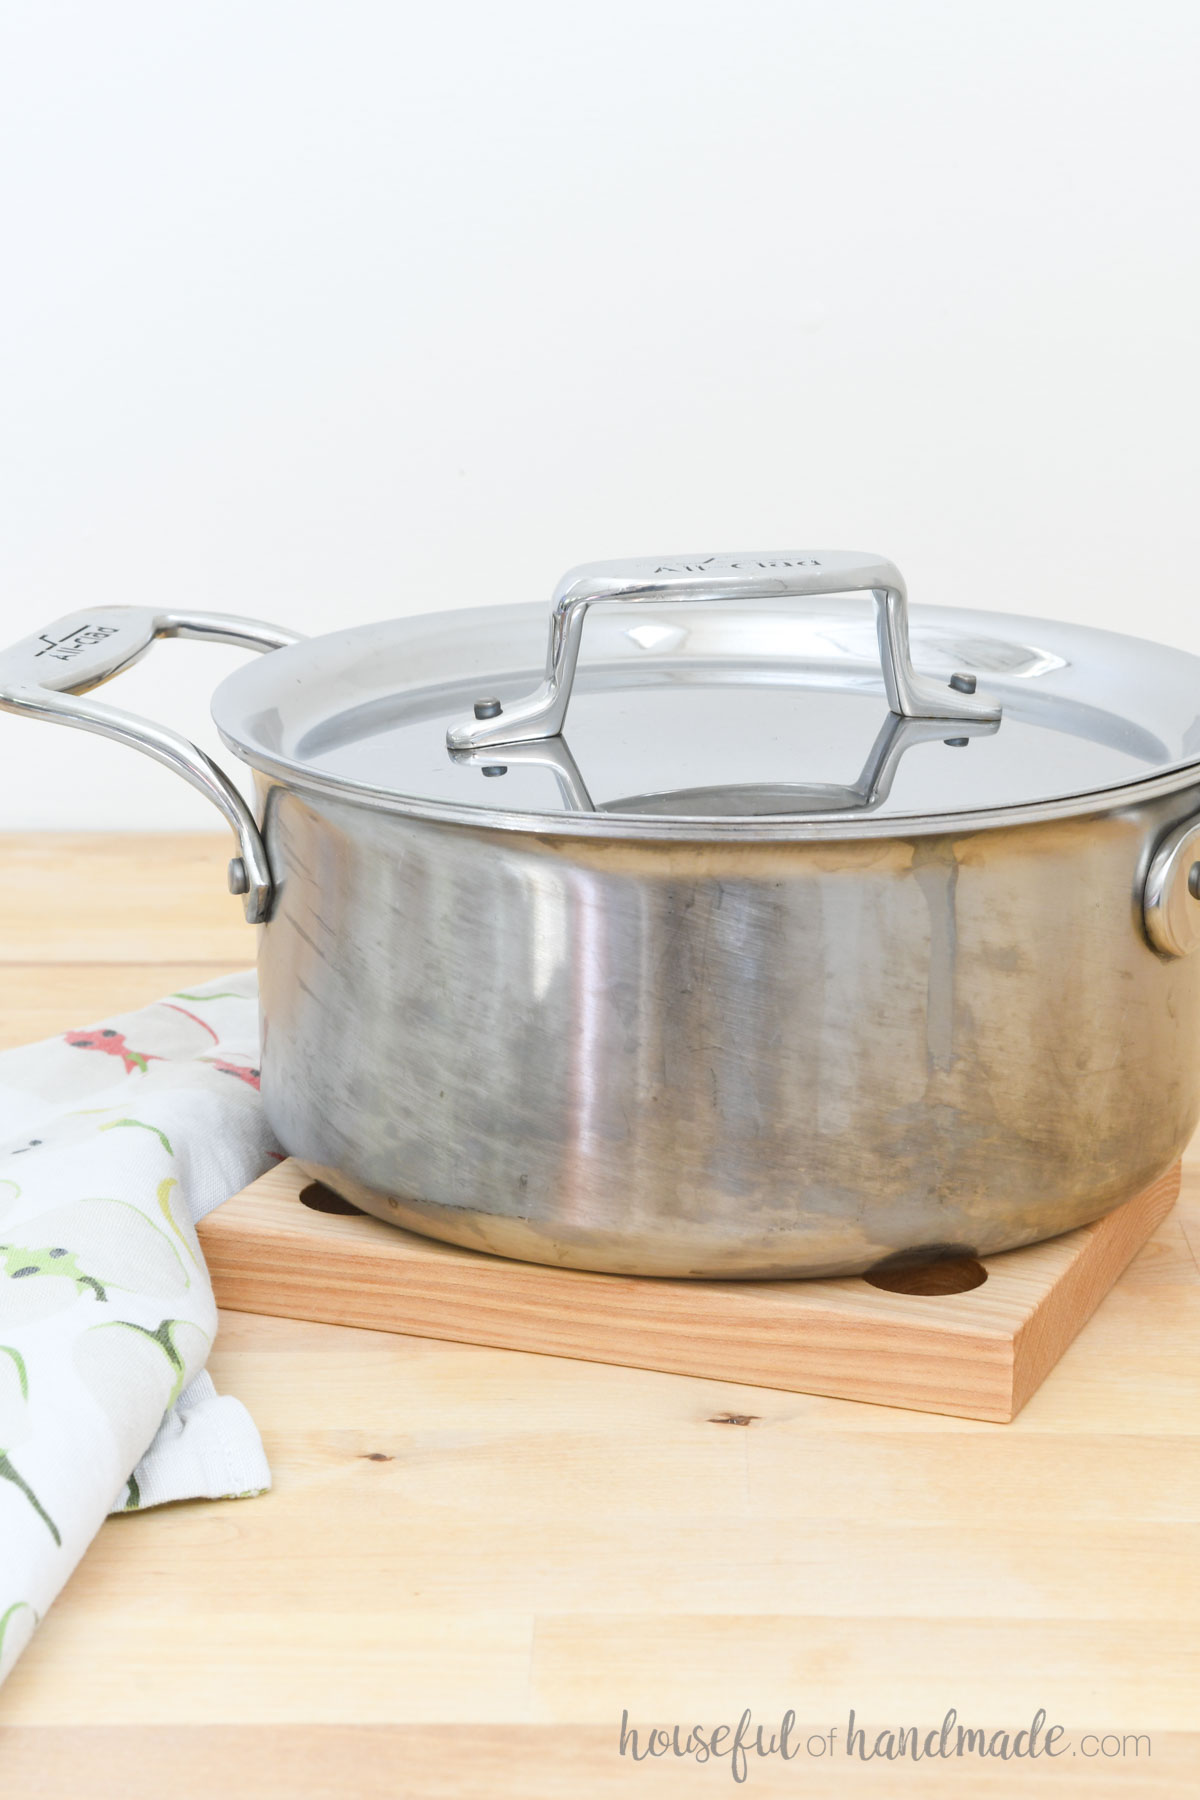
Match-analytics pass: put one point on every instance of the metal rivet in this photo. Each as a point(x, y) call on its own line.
point(1194, 881)
point(496, 769)
point(239, 880)
point(963, 684)
point(487, 709)
point(956, 743)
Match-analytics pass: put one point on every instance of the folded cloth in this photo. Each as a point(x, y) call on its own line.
point(114, 1141)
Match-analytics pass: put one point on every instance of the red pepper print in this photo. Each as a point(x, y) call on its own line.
point(249, 1076)
point(112, 1043)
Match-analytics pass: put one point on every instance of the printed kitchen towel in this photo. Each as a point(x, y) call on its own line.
point(114, 1141)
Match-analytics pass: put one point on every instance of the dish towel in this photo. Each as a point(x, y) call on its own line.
point(114, 1141)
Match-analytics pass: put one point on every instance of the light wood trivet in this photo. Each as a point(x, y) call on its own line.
point(979, 1354)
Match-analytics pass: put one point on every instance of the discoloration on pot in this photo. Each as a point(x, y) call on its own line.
point(935, 871)
point(724, 1059)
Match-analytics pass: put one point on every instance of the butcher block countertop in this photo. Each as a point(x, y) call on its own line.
point(473, 1560)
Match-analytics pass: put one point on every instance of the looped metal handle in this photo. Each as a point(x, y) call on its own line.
point(747, 576)
point(1171, 894)
point(43, 677)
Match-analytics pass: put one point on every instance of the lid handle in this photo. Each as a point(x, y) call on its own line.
point(749, 575)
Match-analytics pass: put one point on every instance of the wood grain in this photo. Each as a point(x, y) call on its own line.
point(979, 1353)
point(553, 1540)
point(130, 897)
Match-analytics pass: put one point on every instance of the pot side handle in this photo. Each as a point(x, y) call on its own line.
point(746, 575)
point(45, 675)
point(1171, 896)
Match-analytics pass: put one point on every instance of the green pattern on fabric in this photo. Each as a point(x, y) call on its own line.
point(6, 1619)
point(165, 1189)
point(19, 1263)
point(8, 1473)
point(115, 1237)
point(19, 1362)
point(140, 1125)
point(92, 1238)
point(13, 1418)
point(164, 1336)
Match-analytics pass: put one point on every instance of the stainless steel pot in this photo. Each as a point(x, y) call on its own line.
point(689, 996)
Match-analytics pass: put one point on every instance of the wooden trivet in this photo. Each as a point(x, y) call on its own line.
point(979, 1352)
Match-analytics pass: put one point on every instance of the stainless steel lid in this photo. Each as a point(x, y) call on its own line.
point(752, 695)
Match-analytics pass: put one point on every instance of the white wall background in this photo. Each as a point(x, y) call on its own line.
point(327, 310)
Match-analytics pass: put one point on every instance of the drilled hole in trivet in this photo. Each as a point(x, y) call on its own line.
point(323, 1199)
point(948, 1275)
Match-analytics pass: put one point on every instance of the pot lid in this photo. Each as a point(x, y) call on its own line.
point(748, 695)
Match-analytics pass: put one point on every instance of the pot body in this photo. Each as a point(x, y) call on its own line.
point(724, 1059)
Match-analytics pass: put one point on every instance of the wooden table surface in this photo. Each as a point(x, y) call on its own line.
point(473, 1560)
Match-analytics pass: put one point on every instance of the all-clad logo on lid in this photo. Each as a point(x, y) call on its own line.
point(75, 643)
point(713, 565)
